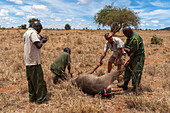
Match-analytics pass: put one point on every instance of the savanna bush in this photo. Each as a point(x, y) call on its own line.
point(156, 40)
point(67, 27)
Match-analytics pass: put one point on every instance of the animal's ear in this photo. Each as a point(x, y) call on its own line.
point(73, 81)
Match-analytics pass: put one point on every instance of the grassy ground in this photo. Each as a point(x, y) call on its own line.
point(86, 46)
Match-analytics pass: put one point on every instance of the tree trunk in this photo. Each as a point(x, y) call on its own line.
point(116, 28)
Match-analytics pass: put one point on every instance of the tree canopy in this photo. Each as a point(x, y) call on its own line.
point(116, 18)
point(31, 21)
point(67, 27)
point(23, 26)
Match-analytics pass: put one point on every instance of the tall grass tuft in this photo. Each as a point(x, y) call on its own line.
point(147, 104)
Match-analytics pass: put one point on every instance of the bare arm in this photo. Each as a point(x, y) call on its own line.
point(118, 57)
point(69, 69)
point(130, 59)
point(40, 43)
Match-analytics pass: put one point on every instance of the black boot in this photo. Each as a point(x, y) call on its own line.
point(124, 86)
point(54, 79)
point(133, 89)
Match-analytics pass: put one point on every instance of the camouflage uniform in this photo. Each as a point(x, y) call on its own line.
point(135, 68)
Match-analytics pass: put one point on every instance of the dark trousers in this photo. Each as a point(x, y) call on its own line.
point(36, 85)
point(135, 70)
point(60, 74)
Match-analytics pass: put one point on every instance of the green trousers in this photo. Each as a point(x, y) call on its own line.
point(135, 70)
point(60, 74)
point(36, 85)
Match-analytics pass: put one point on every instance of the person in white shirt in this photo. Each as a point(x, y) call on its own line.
point(119, 55)
point(32, 52)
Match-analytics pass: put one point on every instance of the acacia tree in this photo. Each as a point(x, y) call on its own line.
point(116, 18)
point(67, 27)
point(31, 21)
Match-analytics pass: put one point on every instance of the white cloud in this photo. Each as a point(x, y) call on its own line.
point(40, 7)
point(143, 21)
point(122, 3)
point(160, 4)
point(83, 20)
point(155, 14)
point(68, 20)
point(26, 8)
point(5, 18)
point(19, 13)
point(144, 24)
point(16, 1)
point(83, 1)
point(58, 19)
point(30, 16)
point(161, 24)
point(155, 21)
point(155, 25)
point(3, 12)
point(147, 24)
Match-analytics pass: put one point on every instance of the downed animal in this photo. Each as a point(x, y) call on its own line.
point(92, 84)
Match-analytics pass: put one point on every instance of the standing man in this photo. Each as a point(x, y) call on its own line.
point(119, 55)
point(134, 47)
point(59, 65)
point(32, 52)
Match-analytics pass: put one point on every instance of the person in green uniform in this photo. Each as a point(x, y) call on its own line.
point(32, 52)
point(134, 47)
point(59, 66)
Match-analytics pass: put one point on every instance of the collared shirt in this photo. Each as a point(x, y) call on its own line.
point(135, 43)
point(117, 43)
point(61, 61)
point(31, 52)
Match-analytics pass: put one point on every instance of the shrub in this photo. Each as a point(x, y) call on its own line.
point(156, 40)
point(67, 27)
point(79, 41)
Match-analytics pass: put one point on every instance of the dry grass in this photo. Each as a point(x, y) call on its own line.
point(86, 46)
point(149, 103)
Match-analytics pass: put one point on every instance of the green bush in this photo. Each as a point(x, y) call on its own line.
point(67, 27)
point(156, 40)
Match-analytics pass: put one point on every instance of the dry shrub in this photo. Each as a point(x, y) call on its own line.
point(79, 51)
point(148, 104)
point(166, 84)
point(156, 40)
point(79, 41)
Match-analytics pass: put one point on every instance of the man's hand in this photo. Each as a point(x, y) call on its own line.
point(127, 50)
point(44, 40)
point(100, 63)
point(71, 74)
point(116, 62)
point(127, 64)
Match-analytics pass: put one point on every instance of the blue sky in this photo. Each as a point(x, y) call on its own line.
point(153, 14)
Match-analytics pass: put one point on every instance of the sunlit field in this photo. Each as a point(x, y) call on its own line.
point(87, 47)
